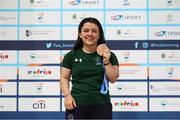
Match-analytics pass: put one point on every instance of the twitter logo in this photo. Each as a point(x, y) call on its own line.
point(48, 45)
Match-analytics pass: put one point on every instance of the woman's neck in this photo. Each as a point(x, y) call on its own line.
point(89, 49)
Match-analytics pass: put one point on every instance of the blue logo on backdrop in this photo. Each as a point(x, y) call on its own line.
point(145, 45)
point(75, 2)
point(136, 45)
point(48, 45)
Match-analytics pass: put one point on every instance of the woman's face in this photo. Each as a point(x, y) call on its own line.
point(89, 34)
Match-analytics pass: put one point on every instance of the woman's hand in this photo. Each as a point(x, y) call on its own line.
point(104, 51)
point(69, 102)
point(106, 56)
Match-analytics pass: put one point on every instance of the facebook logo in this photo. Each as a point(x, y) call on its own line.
point(136, 45)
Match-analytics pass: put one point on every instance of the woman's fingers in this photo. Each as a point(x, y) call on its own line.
point(70, 103)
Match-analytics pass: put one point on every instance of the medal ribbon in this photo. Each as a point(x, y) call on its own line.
point(105, 83)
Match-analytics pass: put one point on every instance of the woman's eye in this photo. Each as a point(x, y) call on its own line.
point(95, 31)
point(85, 30)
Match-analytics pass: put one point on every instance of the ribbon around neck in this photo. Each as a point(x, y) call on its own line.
point(105, 84)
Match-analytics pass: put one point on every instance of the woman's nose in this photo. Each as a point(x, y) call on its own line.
point(90, 33)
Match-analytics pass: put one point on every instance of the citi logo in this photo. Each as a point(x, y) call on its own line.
point(39, 72)
point(126, 103)
point(41, 104)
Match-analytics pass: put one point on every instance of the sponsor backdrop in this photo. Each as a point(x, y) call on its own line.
point(36, 34)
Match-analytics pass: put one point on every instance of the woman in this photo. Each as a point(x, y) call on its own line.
point(87, 67)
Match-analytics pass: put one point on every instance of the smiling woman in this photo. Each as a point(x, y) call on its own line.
point(91, 72)
point(89, 35)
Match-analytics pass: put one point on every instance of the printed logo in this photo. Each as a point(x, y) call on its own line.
point(124, 33)
point(170, 104)
point(120, 87)
point(77, 60)
point(163, 55)
point(118, 32)
point(70, 117)
point(152, 87)
point(117, 17)
point(160, 33)
point(169, 2)
point(170, 71)
point(145, 45)
point(84, 2)
point(78, 17)
point(33, 56)
point(39, 87)
point(39, 72)
point(28, 33)
point(164, 103)
point(170, 56)
point(98, 60)
point(126, 3)
point(136, 45)
point(74, 2)
point(1, 88)
point(40, 17)
point(170, 88)
point(165, 33)
point(127, 103)
point(123, 17)
point(40, 104)
point(3, 56)
point(169, 18)
point(126, 56)
point(31, 1)
point(1, 107)
point(48, 45)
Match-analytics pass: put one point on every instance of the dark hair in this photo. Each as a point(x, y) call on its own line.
point(79, 42)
